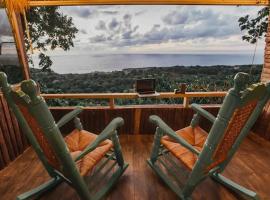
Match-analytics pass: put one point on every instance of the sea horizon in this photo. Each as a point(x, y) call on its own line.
point(80, 64)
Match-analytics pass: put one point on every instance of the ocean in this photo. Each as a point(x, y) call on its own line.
point(64, 64)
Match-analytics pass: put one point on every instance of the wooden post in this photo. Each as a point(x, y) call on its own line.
point(186, 102)
point(17, 29)
point(146, 2)
point(111, 103)
point(137, 121)
point(265, 76)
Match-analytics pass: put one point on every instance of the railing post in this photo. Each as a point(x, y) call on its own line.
point(137, 120)
point(111, 103)
point(186, 102)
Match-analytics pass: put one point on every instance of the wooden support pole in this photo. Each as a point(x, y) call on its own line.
point(111, 103)
point(265, 76)
point(186, 102)
point(146, 2)
point(137, 121)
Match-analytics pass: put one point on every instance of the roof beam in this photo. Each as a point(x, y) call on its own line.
point(147, 2)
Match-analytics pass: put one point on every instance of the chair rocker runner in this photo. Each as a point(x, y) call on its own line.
point(74, 159)
point(205, 154)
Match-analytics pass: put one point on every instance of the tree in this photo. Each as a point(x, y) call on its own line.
point(49, 29)
point(255, 28)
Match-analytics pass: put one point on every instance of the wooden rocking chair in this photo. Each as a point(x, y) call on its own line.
point(207, 154)
point(71, 159)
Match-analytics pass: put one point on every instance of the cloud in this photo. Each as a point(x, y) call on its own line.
point(187, 28)
point(129, 34)
point(116, 32)
point(127, 20)
point(161, 29)
point(5, 30)
point(83, 31)
point(114, 24)
point(110, 12)
point(184, 16)
point(98, 38)
point(185, 24)
point(82, 11)
point(101, 25)
point(140, 12)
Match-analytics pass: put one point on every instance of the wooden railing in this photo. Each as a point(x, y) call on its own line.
point(94, 119)
point(112, 96)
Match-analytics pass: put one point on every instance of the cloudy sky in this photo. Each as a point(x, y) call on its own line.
point(160, 29)
point(155, 29)
point(5, 31)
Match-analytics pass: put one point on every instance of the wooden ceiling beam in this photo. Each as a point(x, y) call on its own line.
point(147, 2)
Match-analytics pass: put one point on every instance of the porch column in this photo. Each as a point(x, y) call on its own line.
point(265, 76)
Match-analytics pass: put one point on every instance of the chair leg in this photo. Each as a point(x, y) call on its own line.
point(166, 180)
point(77, 123)
point(36, 192)
point(80, 186)
point(114, 178)
point(117, 150)
point(156, 146)
point(235, 187)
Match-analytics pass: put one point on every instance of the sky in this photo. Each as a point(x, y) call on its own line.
point(160, 29)
point(155, 29)
point(5, 31)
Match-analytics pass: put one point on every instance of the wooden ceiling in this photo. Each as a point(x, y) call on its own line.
point(146, 2)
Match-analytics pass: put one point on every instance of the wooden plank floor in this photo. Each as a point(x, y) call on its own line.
point(250, 167)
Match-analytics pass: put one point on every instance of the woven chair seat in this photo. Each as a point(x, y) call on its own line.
point(77, 141)
point(194, 136)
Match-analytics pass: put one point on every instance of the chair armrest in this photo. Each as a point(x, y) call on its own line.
point(69, 116)
point(203, 112)
point(105, 134)
point(168, 131)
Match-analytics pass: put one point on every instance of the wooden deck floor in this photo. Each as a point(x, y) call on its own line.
point(250, 167)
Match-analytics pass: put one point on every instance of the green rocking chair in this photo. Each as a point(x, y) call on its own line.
point(75, 159)
point(203, 154)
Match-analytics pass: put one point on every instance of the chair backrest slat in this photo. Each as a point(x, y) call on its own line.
point(40, 136)
point(236, 124)
point(34, 115)
point(239, 111)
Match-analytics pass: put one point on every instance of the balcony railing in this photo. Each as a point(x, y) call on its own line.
point(112, 96)
point(96, 118)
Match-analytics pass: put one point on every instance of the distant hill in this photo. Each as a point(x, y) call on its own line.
point(9, 59)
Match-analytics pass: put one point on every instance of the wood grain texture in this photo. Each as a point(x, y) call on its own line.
point(136, 117)
point(265, 75)
point(262, 126)
point(249, 167)
point(12, 141)
point(146, 2)
point(161, 95)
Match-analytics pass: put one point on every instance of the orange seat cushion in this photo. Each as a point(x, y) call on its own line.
point(77, 141)
point(195, 136)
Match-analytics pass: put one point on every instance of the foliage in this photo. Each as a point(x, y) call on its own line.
point(254, 28)
point(14, 73)
point(197, 78)
point(49, 29)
